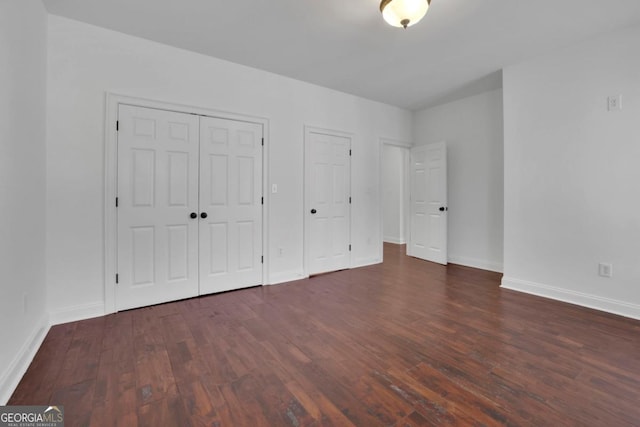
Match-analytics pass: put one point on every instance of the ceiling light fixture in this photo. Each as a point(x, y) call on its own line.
point(404, 13)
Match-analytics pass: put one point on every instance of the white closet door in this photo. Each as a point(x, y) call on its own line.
point(327, 190)
point(157, 192)
point(231, 199)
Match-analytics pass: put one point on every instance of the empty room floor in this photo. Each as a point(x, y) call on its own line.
point(403, 343)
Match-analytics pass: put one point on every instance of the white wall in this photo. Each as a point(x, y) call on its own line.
point(86, 61)
point(393, 192)
point(572, 174)
point(22, 187)
point(473, 130)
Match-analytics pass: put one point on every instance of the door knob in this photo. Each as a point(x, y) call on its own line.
point(193, 215)
point(203, 215)
point(313, 211)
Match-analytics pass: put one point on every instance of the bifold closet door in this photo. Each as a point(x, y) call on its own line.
point(231, 199)
point(157, 194)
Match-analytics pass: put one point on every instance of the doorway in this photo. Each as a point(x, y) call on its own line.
point(395, 192)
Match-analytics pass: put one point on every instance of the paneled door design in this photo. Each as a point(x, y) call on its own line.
point(189, 206)
point(428, 238)
point(157, 193)
point(327, 201)
point(231, 202)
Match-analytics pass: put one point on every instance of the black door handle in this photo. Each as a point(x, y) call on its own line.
point(441, 208)
point(313, 211)
point(203, 215)
point(193, 215)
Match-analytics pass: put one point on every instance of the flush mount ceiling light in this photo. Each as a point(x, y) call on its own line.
point(404, 13)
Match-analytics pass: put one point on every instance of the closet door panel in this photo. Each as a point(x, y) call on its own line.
point(231, 198)
point(157, 191)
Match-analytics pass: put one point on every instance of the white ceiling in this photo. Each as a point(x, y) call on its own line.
point(456, 50)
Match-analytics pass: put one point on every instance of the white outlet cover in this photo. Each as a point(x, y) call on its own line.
point(614, 103)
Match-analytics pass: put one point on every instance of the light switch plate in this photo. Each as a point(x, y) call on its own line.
point(605, 270)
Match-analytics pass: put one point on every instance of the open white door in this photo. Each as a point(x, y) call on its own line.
point(327, 201)
point(428, 238)
point(157, 195)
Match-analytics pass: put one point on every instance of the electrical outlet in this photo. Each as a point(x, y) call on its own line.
point(274, 188)
point(614, 103)
point(605, 270)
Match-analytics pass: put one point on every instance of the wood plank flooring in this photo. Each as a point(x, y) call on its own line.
point(404, 343)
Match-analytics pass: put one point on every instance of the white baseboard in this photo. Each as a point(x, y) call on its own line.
point(78, 312)
point(394, 240)
point(15, 371)
point(608, 305)
point(363, 262)
point(476, 263)
point(290, 276)
point(286, 276)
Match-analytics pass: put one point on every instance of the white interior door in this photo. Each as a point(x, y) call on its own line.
point(231, 200)
point(157, 192)
point(428, 238)
point(327, 201)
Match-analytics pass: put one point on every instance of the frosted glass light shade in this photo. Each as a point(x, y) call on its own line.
point(403, 13)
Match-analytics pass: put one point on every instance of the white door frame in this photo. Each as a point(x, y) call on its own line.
point(113, 101)
point(407, 147)
point(307, 202)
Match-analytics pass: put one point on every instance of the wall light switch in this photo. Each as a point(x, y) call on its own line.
point(614, 103)
point(605, 270)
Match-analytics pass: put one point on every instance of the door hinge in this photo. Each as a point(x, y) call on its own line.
point(262, 259)
point(349, 199)
point(116, 202)
point(117, 125)
point(262, 200)
point(349, 248)
point(263, 142)
point(349, 152)
point(117, 279)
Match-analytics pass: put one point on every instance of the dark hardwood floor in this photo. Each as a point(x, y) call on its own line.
point(404, 343)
